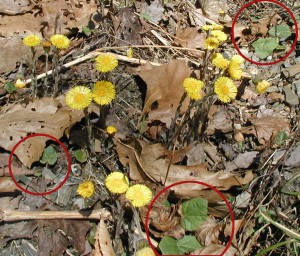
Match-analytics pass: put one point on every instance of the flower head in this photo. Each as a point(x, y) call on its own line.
point(117, 182)
point(32, 40)
point(20, 83)
point(234, 69)
point(106, 62)
point(219, 61)
point(217, 26)
point(220, 35)
point(79, 97)
point(104, 92)
point(238, 58)
point(139, 195)
point(206, 27)
point(146, 251)
point(129, 53)
point(111, 129)
point(221, 12)
point(262, 86)
point(225, 89)
point(193, 88)
point(60, 41)
point(86, 189)
point(211, 43)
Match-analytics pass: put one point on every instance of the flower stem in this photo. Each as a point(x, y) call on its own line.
point(46, 71)
point(55, 74)
point(34, 76)
point(91, 139)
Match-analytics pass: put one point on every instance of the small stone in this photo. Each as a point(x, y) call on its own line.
point(290, 96)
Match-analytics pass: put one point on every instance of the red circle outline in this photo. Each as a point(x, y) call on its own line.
point(68, 160)
point(184, 182)
point(265, 63)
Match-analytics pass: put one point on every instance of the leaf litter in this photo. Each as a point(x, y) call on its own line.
point(247, 149)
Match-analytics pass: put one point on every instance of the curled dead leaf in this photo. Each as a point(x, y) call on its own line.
point(209, 232)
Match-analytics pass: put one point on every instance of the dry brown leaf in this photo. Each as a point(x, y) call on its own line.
point(242, 161)
point(165, 86)
point(209, 231)
point(64, 234)
point(7, 185)
point(17, 168)
point(190, 38)
point(73, 14)
point(221, 121)
point(15, 7)
point(266, 127)
point(167, 221)
point(103, 243)
point(154, 162)
point(215, 249)
point(47, 115)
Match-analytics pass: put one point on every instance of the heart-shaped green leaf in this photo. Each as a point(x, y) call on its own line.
point(281, 31)
point(194, 213)
point(169, 245)
point(265, 46)
point(49, 156)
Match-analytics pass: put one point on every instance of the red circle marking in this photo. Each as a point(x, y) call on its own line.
point(185, 182)
point(265, 63)
point(68, 160)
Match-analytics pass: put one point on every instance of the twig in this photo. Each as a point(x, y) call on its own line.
point(12, 215)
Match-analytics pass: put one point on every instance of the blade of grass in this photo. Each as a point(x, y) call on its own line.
point(273, 247)
point(289, 232)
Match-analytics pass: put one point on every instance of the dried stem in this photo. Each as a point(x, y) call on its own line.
point(12, 215)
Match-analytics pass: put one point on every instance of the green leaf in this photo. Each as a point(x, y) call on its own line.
point(281, 137)
point(280, 47)
point(281, 31)
point(49, 156)
point(194, 213)
point(10, 87)
point(169, 245)
point(80, 156)
point(265, 46)
point(87, 31)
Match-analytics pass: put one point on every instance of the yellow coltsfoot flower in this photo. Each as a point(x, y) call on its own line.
point(104, 92)
point(86, 189)
point(111, 130)
point(220, 35)
point(206, 27)
point(193, 88)
point(146, 251)
point(139, 195)
point(20, 83)
point(217, 26)
point(219, 61)
point(79, 97)
point(238, 58)
point(225, 89)
point(211, 43)
point(234, 70)
point(32, 40)
point(262, 86)
point(117, 182)
point(106, 62)
point(60, 41)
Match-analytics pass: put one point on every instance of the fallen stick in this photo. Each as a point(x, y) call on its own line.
point(12, 215)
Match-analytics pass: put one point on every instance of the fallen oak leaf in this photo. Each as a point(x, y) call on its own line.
point(47, 116)
point(266, 127)
point(164, 87)
point(153, 161)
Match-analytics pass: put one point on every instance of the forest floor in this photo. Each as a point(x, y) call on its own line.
point(184, 138)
